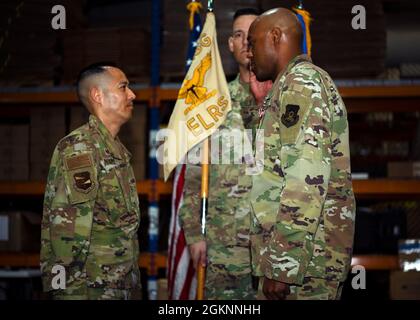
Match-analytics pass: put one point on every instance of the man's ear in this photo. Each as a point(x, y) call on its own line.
point(96, 94)
point(276, 34)
point(230, 43)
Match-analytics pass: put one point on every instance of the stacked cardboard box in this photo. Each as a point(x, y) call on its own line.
point(20, 231)
point(119, 13)
point(176, 35)
point(405, 285)
point(78, 117)
point(404, 169)
point(28, 54)
point(134, 137)
point(175, 39)
point(336, 46)
point(14, 146)
point(47, 127)
point(128, 47)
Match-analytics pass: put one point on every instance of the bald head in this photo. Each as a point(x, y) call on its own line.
point(284, 19)
point(275, 38)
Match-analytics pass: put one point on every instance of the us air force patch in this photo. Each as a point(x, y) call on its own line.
point(290, 117)
point(83, 182)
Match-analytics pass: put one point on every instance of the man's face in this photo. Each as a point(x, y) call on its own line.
point(118, 97)
point(261, 52)
point(238, 42)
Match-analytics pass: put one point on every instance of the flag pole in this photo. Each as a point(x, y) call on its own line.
point(201, 270)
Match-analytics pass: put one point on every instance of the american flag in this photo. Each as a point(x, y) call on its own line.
point(182, 283)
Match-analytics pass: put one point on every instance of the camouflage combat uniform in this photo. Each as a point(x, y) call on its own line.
point(91, 216)
point(228, 274)
point(303, 204)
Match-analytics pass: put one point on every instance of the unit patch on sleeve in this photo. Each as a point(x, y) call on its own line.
point(83, 181)
point(290, 117)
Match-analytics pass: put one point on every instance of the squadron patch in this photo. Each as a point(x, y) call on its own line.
point(77, 162)
point(290, 117)
point(83, 182)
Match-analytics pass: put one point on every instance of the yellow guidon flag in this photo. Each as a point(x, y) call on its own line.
point(203, 100)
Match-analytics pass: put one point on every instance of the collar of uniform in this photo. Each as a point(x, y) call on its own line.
point(238, 86)
point(292, 63)
point(113, 146)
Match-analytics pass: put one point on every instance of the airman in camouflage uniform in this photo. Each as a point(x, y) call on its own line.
point(91, 210)
point(228, 273)
point(303, 204)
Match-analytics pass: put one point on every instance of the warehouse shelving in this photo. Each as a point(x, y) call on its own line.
point(37, 188)
point(358, 99)
point(31, 260)
point(363, 188)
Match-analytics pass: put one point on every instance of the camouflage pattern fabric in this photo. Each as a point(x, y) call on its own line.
point(229, 273)
point(303, 203)
point(91, 215)
point(228, 217)
point(311, 289)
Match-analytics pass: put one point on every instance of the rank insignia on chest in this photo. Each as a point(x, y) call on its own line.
point(83, 182)
point(290, 117)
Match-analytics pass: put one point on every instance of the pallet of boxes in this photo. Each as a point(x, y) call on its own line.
point(405, 283)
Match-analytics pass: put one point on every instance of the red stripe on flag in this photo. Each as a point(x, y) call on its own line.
point(185, 293)
point(179, 186)
point(180, 267)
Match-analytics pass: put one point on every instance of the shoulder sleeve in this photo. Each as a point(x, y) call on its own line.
point(68, 211)
point(305, 153)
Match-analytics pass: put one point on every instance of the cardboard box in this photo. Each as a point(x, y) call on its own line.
point(18, 171)
point(13, 153)
point(48, 116)
point(404, 169)
point(139, 171)
point(405, 285)
point(78, 117)
point(14, 135)
point(135, 130)
point(48, 134)
point(20, 231)
point(38, 171)
point(41, 153)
